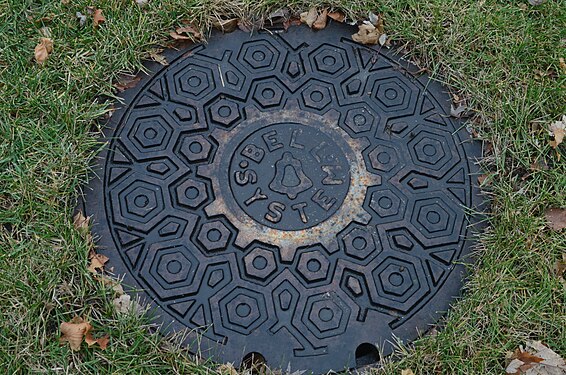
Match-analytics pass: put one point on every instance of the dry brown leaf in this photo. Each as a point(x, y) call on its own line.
point(309, 17)
point(291, 22)
point(101, 341)
point(98, 18)
point(556, 218)
point(74, 331)
point(227, 369)
point(97, 262)
point(156, 56)
point(562, 63)
point(367, 34)
point(558, 130)
point(320, 22)
point(482, 179)
point(407, 371)
point(43, 49)
point(337, 16)
point(226, 26)
point(124, 305)
point(189, 32)
point(536, 359)
point(560, 267)
point(81, 222)
point(127, 82)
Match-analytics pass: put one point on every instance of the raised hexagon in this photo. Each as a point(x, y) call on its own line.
point(434, 218)
point(194, 81)
point(359, 243)
point(214, 235)
point(140, 201)
point(260, 263)
point(386, 203)
point(326, 315)
point(317, 95)
point(224, 111)
point(313, 266)
point(172, 267)
point(330, 60)
point(149, 133)
point(360, 119)
point(393, 94)
point(191, 193)
point(195, 148)
point(259, 56)
point(432, 150)
point(268, 93)
point(399, 282)
point(243, 310)
point(383, 158)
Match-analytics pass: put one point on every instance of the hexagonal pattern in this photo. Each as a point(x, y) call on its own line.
point(313, 266)
point(317, 96)
point(260, 263)
point(214, 235)
point(243, 310)
point(360, 119)
point(359, 243)
point(326, 315)
point(195, 148)
point(383, 158)
point(191, 193)
point(194, 81)
point(330, 60)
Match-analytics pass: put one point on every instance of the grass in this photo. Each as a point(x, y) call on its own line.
point(502, 56)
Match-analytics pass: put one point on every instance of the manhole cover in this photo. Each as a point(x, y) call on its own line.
point(295, 195)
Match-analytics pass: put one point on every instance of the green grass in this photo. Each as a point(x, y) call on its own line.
point(488, 51)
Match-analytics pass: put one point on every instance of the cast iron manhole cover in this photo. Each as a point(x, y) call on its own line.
point(295, 195)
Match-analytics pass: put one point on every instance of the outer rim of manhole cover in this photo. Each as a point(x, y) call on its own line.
point(298, 339)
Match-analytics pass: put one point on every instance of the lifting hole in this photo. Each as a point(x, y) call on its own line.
point(366, 354)
point(254, 362)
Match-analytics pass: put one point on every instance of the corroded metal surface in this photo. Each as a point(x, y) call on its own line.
point(295, 195)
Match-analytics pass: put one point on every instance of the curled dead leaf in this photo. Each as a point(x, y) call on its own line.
point(74, 331)
point(320, 22)
point(126, 82)
point(536, 359)
point(124, 305)
point(562, 63)
point(187, 32)
point(407, 371)
point(458, 111)
point(43, 49)
point(101, 341)
point(309, 17)
point(226, 26)
point(97, 262)
point(367, 34)
point(98, 18)
point(155, 55)
point(557, 130)
point(337, 16)
point(556, 218)
point(81, 222)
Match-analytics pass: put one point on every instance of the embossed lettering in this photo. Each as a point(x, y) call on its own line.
point(258, 196)
point(253, 152)
point(294, 135)
point(324, 201)
point(301, 208)
point(316, 151)
point(270, 139)
point(330, 178)
point(244, 177)
point(275, 212)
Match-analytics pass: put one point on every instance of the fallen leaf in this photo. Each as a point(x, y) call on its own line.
point(536, 359)
point(373, 18)
point(156, 56)
point(457, 112)
point(43, 49)
point(320, 22)
point(367, 34)
point(337, 16)
point(226, 26)
point(125, 305)
point(309, 17)
point(279, 16)
point(98, 18)
point(562, 64)
point(407, 371)
point(97, 262)
point(382, 39)
point(108, 281)
point(74, 331)
point(560, 267)
point(82, 18)
point(556, 218)
point(558, 130)
point(537, 2)
point(291, 22)
point(127, 82)
point(482, 179)
point(81, 222)
point(101, 341)
point(227, 369)
point(190, 32)
point(142, 3)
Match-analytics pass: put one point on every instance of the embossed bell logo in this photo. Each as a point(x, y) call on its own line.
point(290, 179)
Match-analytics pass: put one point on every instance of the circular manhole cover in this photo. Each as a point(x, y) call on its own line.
point(294, 195)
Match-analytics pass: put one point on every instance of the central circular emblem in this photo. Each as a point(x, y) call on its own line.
point(289, 176)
